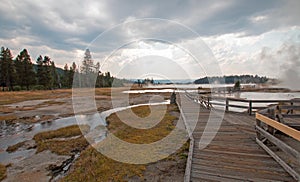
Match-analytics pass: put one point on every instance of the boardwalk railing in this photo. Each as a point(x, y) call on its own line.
point(277, 118)
point(209, 101)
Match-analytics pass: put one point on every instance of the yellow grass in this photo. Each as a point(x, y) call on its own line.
point(2, 172)
point(5, 109)
point(13, 97)
point(8, 118)
point(15, 147)
point(93, 166)
point(140, 136)
point(50, 140)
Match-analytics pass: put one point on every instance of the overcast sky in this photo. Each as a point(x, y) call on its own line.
point(185, 39)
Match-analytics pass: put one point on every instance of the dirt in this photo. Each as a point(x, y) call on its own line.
point(172, 170)
point(35, 167)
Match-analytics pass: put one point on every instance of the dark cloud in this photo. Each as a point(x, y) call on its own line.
point(72, 25)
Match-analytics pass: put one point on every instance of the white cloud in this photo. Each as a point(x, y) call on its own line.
point(238, 54)
point(243, 35)
point(258, 19)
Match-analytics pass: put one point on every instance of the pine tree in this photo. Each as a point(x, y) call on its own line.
point(3, 68)
point(40, 71)
point(89, 70)
point(44, 72)
point(53, 76)
point(7, 67)
point(24, 69)
point(71, 74)
point(65, 77)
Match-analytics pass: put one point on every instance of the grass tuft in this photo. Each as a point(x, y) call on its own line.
point(94, 166)
point(141, 136)
point(15, 147)
point(2, 172)
point(52, 140)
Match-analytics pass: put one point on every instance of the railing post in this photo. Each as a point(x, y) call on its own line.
point(292, 111)
point(208, 105)
point(272, 115)
point(250, 107)
point(258, 135)
point(227, 104)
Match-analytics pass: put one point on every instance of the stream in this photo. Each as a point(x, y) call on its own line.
point(14, 133)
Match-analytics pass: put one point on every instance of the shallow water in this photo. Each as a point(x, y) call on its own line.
point(15, 133)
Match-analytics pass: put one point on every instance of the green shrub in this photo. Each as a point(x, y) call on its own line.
point(17, 88)
point(38, 87)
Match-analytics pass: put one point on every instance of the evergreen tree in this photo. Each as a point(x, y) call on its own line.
point(89, 70)
point(65, 77)
point(7, 67)
point(24, 69)
point(53, 76)
point(44, 72)
point(71, 74)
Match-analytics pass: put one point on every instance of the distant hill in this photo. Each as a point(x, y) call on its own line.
point(232, 79)
point(177, 81)
point(59, 71)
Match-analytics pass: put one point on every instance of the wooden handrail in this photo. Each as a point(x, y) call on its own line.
point(279, 126)
point(267, 116)
point(208, 101)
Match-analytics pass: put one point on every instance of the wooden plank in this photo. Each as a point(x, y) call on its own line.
point(240, 172)
point(258, 166)
point(209, 176)
point(187, 174)
point(269, 101)
point(290, 115)
point(237, 99)
point(238, 106)
point(291, 171)
point(279, 143)
point(279, 126)
point(217, 103)
point(258, 107)
point(231, 148)
point(289, 107)
point(188, 168)
point(204, 176)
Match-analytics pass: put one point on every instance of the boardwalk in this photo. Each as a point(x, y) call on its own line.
point(233, 155)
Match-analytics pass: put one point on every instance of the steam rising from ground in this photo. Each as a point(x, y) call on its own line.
point(291, 65)
point(287, 56)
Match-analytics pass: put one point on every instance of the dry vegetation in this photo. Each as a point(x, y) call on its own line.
point(60, 141)
point(13, 97)
point(2, 172)
point(15, 147)
point(140, 136)
point(93, 166)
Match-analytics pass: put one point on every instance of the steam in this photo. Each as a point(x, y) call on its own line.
point(284, 63)
point(290, 54)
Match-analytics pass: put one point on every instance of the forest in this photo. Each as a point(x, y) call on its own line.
point(21, 73)
point(232, 79)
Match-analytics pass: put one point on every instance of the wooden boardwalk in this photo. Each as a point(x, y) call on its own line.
point(233, 154)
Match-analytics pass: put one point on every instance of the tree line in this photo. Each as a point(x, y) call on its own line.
point(232, 79)
point(20, 73)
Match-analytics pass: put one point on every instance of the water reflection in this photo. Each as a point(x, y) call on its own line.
point(18, 132)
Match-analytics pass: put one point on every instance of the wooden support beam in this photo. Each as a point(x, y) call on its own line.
point(227, 103)
point(283, 146)
point(291, 171)
point(250, 107)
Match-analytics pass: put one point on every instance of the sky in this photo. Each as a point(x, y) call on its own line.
point(169, 39)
